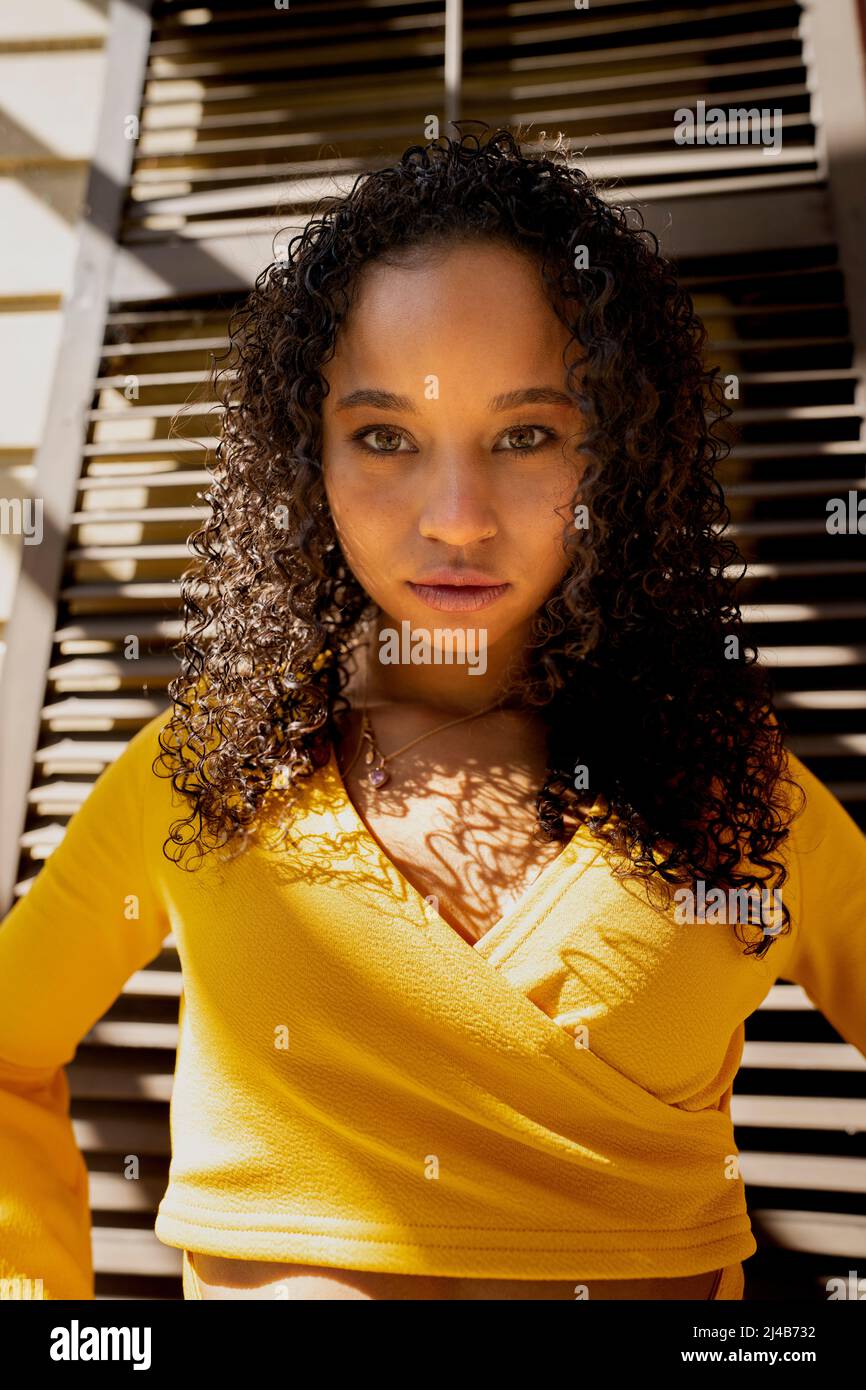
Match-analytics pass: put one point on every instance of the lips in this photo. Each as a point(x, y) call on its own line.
point(459, 579)
point(458, 591)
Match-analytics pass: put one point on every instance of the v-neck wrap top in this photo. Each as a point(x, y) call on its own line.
point(357, 1086)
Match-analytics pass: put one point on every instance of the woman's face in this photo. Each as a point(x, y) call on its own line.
point(449, 442)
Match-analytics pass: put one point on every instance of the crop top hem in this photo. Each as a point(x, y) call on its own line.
point(468, 1252)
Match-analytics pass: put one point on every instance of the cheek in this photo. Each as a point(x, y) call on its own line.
point(543, 506)
point(369, 512)
point(345, 496)
point(361, 518)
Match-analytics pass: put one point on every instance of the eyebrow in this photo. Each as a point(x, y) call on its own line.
point(509, 400)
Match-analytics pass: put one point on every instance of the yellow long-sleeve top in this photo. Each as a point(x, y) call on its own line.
point(358, 1086)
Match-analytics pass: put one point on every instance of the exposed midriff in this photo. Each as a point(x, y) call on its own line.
point(218, 1277)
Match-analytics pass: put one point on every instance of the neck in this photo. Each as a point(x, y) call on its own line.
point(457, 687)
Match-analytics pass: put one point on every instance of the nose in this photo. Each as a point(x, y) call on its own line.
point(457, 505)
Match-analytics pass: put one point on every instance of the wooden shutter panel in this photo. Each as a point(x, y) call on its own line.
point(257, 108)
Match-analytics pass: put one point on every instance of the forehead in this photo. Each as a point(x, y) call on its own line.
point(475, 307)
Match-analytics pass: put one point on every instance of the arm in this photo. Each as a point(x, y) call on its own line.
point(92, 918)
point(826, 953)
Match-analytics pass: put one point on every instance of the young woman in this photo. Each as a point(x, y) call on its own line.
point(475, 826)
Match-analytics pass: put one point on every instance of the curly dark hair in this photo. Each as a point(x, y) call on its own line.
point(630, 659)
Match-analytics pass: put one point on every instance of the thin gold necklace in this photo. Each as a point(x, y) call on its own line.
point(375, 759)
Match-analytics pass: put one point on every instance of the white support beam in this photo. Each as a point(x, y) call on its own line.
point(30, 630)
point(834, 52)
point(453, 60)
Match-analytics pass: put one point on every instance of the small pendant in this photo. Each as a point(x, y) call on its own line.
point(378, 777)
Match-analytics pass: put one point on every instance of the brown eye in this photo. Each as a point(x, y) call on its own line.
point(379, 433)
point(525, 443)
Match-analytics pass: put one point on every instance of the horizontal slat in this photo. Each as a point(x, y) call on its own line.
point(112, 629)
point(787, 488)
point(123, 1250)
point(108, 672)
point(787, 997)
point(848, 791)
point(790, 569)
point(113, 1192)
point(800, 1113)
point(71, 756)
point(801, 1056)
point(145, 379)
point(92, 1081)
point(120, 594)
point(100, 714)
point(115, 448)
point(821, 699)
point(813, 656)
point(836, 745)
point(160, 477)
point(813, 1232)
point(797, 378)
point(784, 449)
point(161, 984)
point(145, 1135)
point(811, 1172)
point(127, 552)
point(143, 347)
point(141, 516)
point(802, 612)
point(127, 1033)
point(58, 798)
